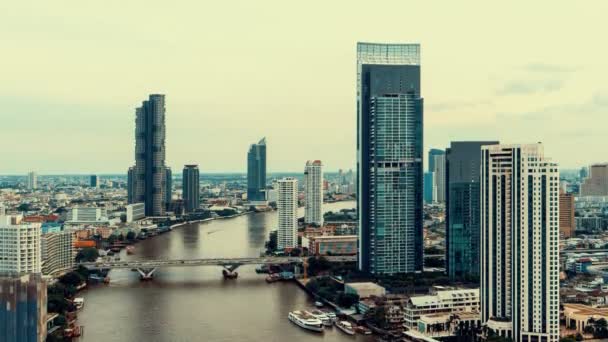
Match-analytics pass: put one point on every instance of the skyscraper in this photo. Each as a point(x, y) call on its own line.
point(94, 181)
point(149, 173)
point(596, 183)
point(168, 187)
point(32, 181)
point(519, 243)
point(23, 308)
point(429, 187)
point(439, 178)
point(389, 158)
point(463, 217)
point(131, 185)
point(287, 205)
point(256, 172)
point(567, 223)
point(191, 187)
point(432, 153)
point(313, 192)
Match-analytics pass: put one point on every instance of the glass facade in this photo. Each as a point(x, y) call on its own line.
point(256, 171)
point(389, 158)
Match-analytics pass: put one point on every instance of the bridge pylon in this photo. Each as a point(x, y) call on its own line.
point(146, 273)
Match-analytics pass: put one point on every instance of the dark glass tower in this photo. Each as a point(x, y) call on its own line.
point(432, 153)
point(149, 173)
point(168, 187)
point(389, 158)
point(463, 225)
point(256, 171)
point(191, 188)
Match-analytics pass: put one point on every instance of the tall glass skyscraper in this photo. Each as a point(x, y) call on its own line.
point(256, 172)
point(463, 217)
point(191, 187)
point(150, 174)
point(389, 158)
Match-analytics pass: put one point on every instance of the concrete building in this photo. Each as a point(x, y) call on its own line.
point(463, 220)
point(86, 214)
point(389, 158)
point(364, 290)
point(256, 172)
point(19, 245)
point(131, 185)
point(313, 192)
point(596, 183)
point(333, 245)
point(578, 316)
point(135, 211)
point(287, 205)
point(567, 223)
point(449, 301)
point(191, 188)
point(520, 243)
point(32, 181)
point(149, 175)
point(94, 181)
point(23, 309)
point(58, 252)
point(439, 178)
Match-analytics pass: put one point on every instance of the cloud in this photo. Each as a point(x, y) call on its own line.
point(548, 68)
point(521, 87)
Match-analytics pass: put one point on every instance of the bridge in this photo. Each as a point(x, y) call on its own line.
point(583, 251)
point(146, 268)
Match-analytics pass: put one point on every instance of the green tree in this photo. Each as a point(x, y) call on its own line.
point(71, 278)
point(88, 254)
point(131, 235)
point(121, 237)
point(111, 239)
point(346, 300)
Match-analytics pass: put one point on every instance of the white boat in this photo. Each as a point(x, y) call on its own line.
point(320, 315)
point(319, 304)
point(346, 327)
point(78, 303)
point(306, 321)
point(332, 316)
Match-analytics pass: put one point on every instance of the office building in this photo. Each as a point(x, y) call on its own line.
point(32, 181)
point(333, 245)
point(168, 187)
point(429, 187)
point(448, 301)
point(256, 172)
point(23, 308)
point(191, 187)
point(389, 158)
point(439, 178)
point(463, 225)
point(567, 223)
point(149, 174)
point(94, 181)
point(313, 192)
point(596, 183)
point(57, 252)
point(519, 243)
point(86, 214)
point(131, 185)
point(432, 153)
point(19, 245)
point(135, 211)
point(287, 205)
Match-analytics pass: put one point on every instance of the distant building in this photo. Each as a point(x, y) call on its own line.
point(463, 217)
point(94, 181)
point(432, 153)
point(23, 310)
point(86, 214)
point(191, 188)
point(313, 192)
point(135, 211)
point(149, 175)
point(429, 187)
point(32, 181)
point(57, 251)
point(567, 223)
point(389, 158)
point(333, 245)
point(519, 243)
point(439, 173)
point(256, 172)
point(19, 245)
point(446, 301)
point(131, 185)
point(596, 184)
point(288, 213)
point(364, 290)
point(168, 187)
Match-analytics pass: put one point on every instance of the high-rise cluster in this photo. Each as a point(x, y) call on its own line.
point(389, 158)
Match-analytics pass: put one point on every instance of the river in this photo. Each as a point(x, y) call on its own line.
point(196, 303)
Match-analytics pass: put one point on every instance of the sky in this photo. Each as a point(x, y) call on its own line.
point(73, 72)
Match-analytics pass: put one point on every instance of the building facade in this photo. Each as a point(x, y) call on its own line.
point(567, 222)
point(451, 301)
point(19, 245)
point(520, 243)
point(168, 188)
point(463, 217)
point(596, 183)
point(389, 158)
point(333, 245)
point(135, 211)
point(57, 251)
point(23, 310)
point(94, 181)
point(149, 173)
point(256, 172)
point(313, 192)
point(439, 188)
point(431, 156)
point(86, 214)
point(191, 188)
point(287, 205)
point(429, 187)
point(32, 181)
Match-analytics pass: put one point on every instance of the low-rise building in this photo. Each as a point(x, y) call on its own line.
point(364, 290)
point(333, 245)
point(453, 301)
point(578, 315)
point(135, 211)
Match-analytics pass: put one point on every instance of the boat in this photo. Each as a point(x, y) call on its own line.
point(319, 304)
point(78, 303)
point(273, 277)
point(332, 316)
point(320, 315)
point(362, 330)
point(346, 327)
point(230, 274)
point(130, 249)
point(305, 321)
point(262, 269)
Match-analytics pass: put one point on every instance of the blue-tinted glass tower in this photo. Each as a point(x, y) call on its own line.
point(256, 172)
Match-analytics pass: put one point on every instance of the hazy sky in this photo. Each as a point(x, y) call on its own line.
point(73, 72)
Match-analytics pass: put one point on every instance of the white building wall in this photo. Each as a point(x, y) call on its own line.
point(313, 192)
point(19, 245)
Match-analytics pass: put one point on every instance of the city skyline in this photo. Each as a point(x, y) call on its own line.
point(484, 91)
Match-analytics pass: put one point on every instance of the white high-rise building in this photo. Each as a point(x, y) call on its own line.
point(439, 178)
point(19, 245)
point(287, 205)
point(57, 251)
point(313, 192)
point(520, 242)
point(32, 181)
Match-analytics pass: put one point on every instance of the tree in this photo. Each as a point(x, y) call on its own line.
point(24, 207)
point(71, 278)
point(295, 252)
point(346, 300)
point(131, 235)
point(111, 239)
point(579, 337)
point(88, 254)
point(317, 265)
